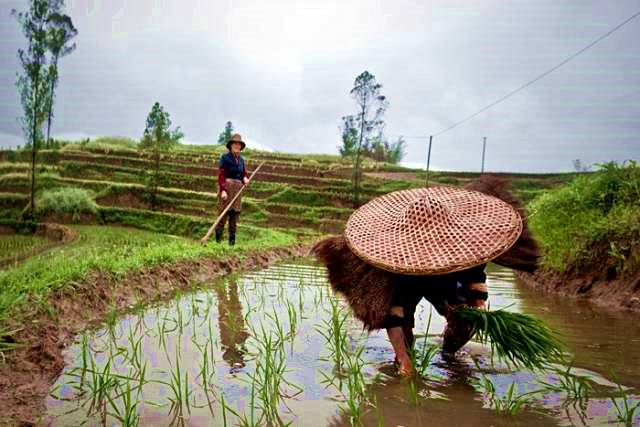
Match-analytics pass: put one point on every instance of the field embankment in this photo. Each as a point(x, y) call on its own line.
point(589, 231)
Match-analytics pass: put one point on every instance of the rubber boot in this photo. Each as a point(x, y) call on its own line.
point(219, 235)
point(232, 239)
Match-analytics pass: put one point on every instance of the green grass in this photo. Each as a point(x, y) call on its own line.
point(15, 244)
point(595, 219)
point(114, 250)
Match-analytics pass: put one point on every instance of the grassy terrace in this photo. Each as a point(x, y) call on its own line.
point(116, 250)
point(301, 191)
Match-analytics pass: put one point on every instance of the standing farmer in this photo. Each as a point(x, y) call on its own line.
point(232, 176)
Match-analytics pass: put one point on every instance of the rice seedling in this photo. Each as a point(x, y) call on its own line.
point(179, 319)
point(205, 376)
point(292, 315)
point(84, 357)
point(135, 356)
point(301, 302)
point(250, 420)
point(412, 388)
point(100, 386)
point(268, 377)
point(128, 414)
point(518, 339)
point(282, 337)
point(111, 322)
point(576, 388)
point(351, 384)
point(180, 393)
point(379, 418)
point(422, 361)
point(333, 331)
point(624, 404)
point(509, 404)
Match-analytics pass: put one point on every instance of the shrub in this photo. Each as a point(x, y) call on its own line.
point(68, 200)
point(593, 211)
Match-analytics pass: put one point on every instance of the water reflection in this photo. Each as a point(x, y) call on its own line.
point(231, 323)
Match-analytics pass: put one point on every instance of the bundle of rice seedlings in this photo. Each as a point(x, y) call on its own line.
point(518, 339)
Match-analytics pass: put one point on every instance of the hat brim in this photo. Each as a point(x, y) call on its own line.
point(242, 145)
point(458, 230)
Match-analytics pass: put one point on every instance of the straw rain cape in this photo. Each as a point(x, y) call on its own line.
point(369, 289)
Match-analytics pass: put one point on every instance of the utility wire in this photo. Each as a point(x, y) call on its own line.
point(532, 81)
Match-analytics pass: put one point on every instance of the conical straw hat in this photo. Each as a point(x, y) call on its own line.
point(435, 230)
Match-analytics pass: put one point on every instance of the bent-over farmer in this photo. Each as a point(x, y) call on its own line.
point(232, 176)
point(430, 243)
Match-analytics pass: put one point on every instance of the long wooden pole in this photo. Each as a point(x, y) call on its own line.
point(224, 212)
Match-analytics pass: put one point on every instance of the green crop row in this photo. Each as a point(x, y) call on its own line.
point(14, 244)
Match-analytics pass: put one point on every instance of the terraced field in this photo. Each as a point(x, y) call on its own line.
point(10, 245)
point(306, 193)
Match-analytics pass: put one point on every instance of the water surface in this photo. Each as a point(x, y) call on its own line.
point(259, 345)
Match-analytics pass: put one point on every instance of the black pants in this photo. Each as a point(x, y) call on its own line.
point(233, 222)
point(448, 289)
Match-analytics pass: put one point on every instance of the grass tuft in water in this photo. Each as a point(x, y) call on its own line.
point(625, 407)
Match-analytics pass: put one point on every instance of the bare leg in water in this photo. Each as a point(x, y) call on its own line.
point(399, 344)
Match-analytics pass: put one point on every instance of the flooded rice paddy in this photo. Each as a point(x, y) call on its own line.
point(275, 347)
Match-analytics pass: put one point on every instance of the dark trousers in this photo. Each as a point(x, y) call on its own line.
point(233, 222)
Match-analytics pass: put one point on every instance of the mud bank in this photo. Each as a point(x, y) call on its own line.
point(31, 369)
point(594, 286)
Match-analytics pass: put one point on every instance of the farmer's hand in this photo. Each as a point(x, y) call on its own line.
point(245, 180)
point(223, 195)
point(478, 287)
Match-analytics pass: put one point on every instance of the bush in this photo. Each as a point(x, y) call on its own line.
point(67, 200)
point(574, 222)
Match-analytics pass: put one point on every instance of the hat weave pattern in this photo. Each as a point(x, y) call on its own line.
point(435, 230)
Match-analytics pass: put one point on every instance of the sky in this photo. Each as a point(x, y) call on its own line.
point(281, 71)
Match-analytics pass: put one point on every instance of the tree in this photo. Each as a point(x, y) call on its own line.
point(395, 151)
point(580, 167)
point(371, 107)
point(60, 32)
point(33, 80)
point(225, 135)
point(158, 138)
point(349, 136)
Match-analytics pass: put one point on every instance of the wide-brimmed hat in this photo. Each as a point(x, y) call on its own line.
point(236, 138)
point(435, 230)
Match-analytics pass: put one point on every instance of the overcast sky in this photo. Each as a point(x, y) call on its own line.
point(281, 71)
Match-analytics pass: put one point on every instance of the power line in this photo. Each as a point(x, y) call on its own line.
point(535, 79)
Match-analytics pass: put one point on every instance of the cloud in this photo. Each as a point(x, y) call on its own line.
point(282, 71)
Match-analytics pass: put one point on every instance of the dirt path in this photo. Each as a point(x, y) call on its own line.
point(30, 370)
point(406, 176)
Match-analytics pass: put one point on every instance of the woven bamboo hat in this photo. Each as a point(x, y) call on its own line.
point(236, 138)
point(435, 230)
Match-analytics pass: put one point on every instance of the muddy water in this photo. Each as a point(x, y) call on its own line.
point(256, 349)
